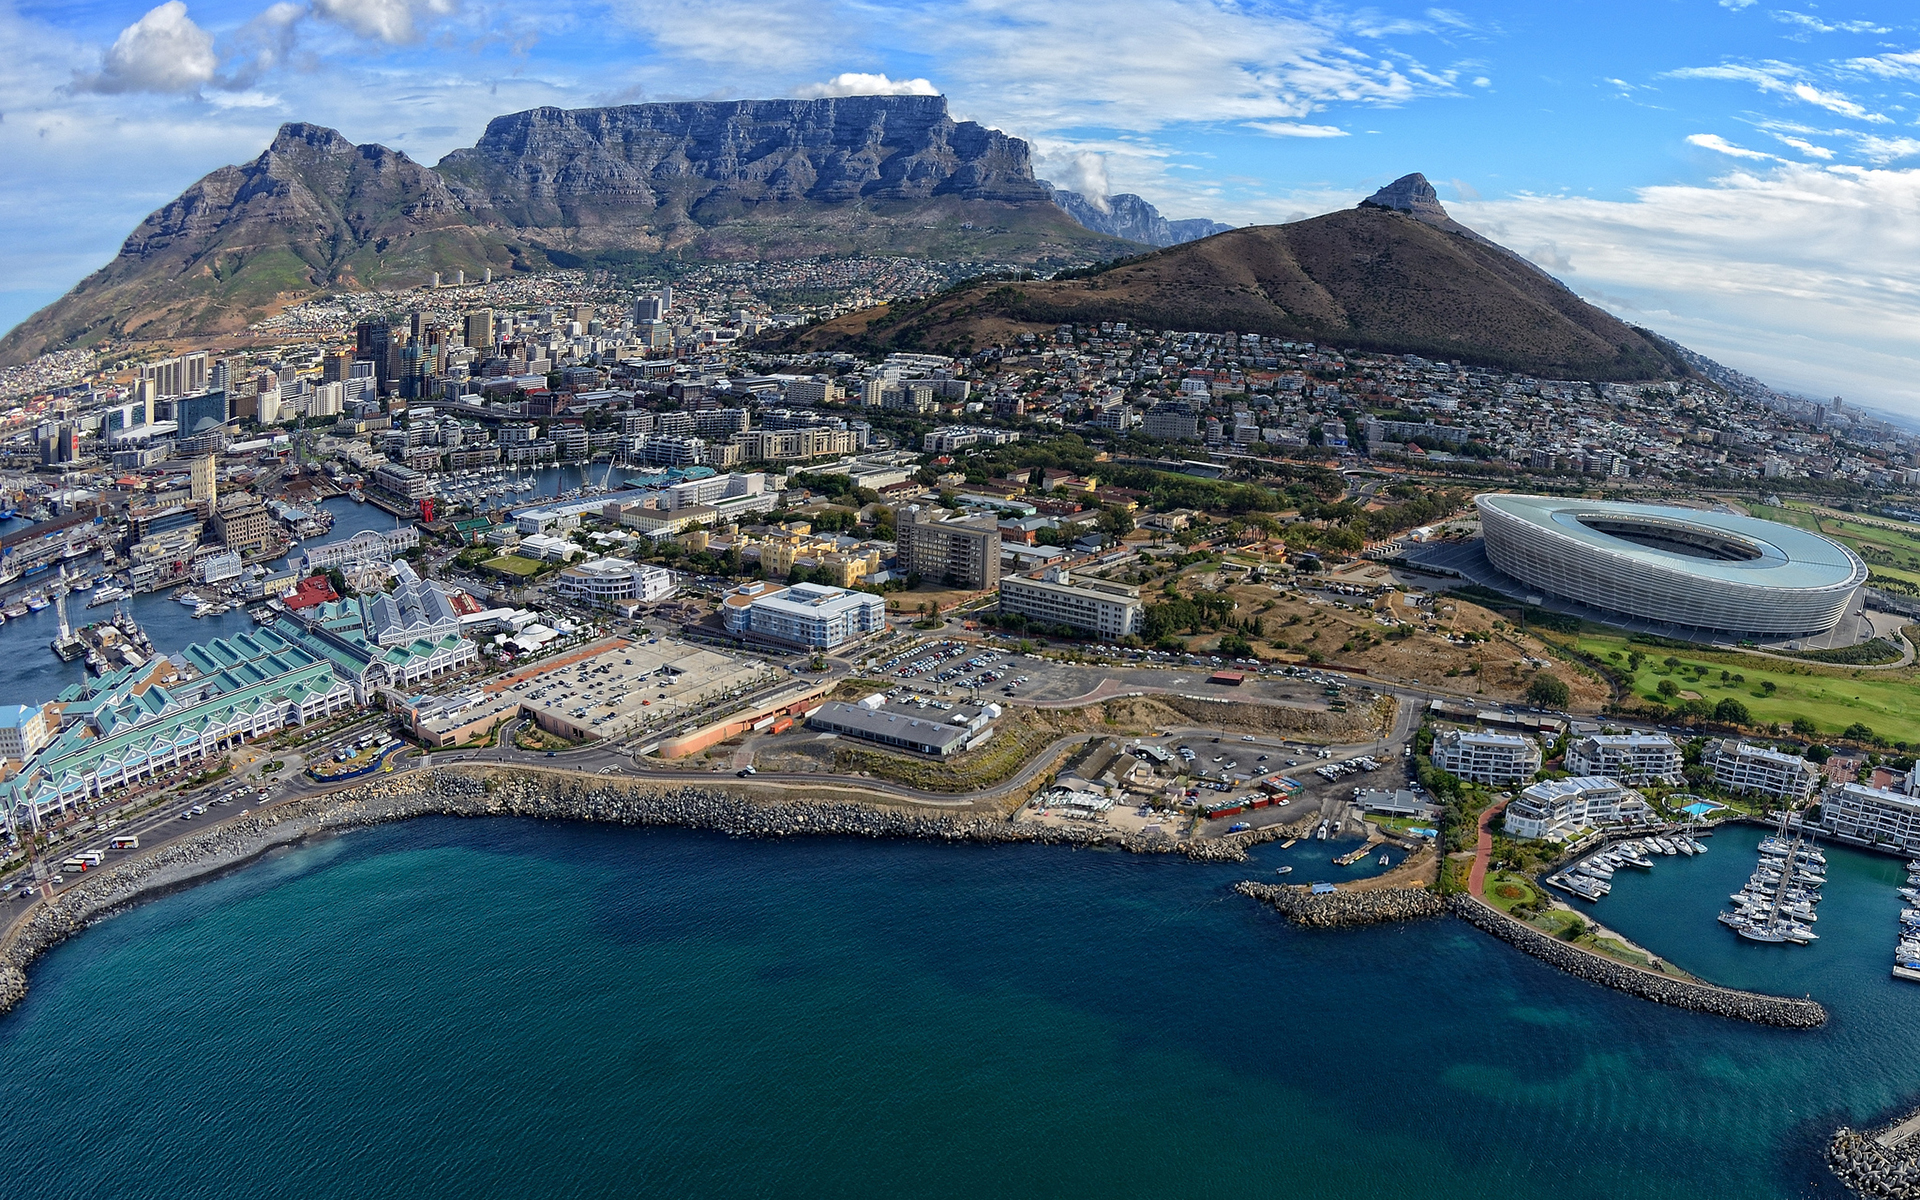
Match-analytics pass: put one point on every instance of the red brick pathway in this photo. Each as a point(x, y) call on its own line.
point(1482, 848)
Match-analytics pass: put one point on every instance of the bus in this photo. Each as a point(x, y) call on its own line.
point(126, 841)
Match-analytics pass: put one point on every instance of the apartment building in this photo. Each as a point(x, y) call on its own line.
point(1639, 758)
point(1495, 759)
point(1755, 770)
point(1555, 807)
point(1871, 816)
point(808, 614)
point(605, 580)
point(1106, 610)
point(961, 552)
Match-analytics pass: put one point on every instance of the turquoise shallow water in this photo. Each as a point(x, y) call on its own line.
point(485, 1008)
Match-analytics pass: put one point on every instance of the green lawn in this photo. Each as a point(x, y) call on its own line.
point(513, 564)
point(1888, 702)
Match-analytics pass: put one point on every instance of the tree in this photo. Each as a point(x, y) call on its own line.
point(1732, 712)
point(1549, 691)
point(1803, 727)
point(1768, 686)
point(1671, 662)
point(1858, 732)
point(1668, 688)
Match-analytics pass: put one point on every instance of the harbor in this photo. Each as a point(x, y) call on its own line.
point(29, 625)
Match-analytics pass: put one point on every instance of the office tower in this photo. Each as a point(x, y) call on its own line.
point(480, 328)
point(201, 481)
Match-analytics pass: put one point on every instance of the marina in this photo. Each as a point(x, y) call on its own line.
point(1777, 903)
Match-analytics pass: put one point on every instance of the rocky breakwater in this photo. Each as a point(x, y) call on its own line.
point(1374, 906)
point(491, 792)
point(1782, 1011)
point(1884, 1164)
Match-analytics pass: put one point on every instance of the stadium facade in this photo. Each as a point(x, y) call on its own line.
point(1674, 566)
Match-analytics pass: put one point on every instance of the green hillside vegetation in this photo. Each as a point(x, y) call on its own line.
point(1834, 700)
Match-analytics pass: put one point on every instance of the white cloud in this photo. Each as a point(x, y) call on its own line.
point(1835, 102)
point(852, 83)
point(1792, 272)
point(1296, 129)
point(1083, 171)
point(1737, 5)
point(1887, 66)
point(1882, 150)
point(1720, 145)
point(1805, 21)
point(395, 21)
point(1805, 147)
point(163, 51)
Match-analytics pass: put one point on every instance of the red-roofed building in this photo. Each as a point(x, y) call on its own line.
point(314, 589)
point(464, 604)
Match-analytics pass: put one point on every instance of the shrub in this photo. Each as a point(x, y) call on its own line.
point(1549, 691)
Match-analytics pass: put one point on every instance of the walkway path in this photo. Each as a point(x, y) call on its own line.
point(1483, 849)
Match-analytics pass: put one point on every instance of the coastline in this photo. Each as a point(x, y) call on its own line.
point(495, 791)
point(1784, 1012)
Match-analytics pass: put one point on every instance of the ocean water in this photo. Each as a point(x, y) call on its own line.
point(518, 1008)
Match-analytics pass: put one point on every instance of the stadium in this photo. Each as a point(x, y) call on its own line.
point(1673, 566)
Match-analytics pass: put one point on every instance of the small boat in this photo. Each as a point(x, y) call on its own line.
point(106, 594)
point(1385, 861)
point(1283, 871)
point(14, 611)
point(36, 602)
point(187, 598)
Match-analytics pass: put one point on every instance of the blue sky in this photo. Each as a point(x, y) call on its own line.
point(1740, 175)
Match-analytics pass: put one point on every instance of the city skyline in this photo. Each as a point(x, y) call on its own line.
point(1730, 174)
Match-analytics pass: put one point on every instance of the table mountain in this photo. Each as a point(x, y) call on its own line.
point(1396, 274)
point(703, 180)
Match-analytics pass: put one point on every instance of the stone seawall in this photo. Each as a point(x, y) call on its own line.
point(1865, 1163)
point(1330, 909)
point(494, 792)
point(1782, 1011)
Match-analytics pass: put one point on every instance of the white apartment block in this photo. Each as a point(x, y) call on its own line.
point(1558, 806)
point(605, 580)
point(1108, 610)
point(1629, 757)
point(1865, 815)
point(808, 614)
point(1756, 770)
point(1489, 758)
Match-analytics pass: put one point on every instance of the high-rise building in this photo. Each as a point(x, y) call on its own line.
point(200, 414)
point(962, 552)
point(202, 480)
point(479, 332)
point(373, 342)
point(648, 308)
point(335, 366)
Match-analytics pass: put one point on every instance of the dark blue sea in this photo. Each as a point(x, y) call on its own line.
point(513, 1008)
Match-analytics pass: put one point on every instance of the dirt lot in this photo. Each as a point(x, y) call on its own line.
point(1454, 644)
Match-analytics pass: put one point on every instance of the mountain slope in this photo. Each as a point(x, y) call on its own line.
point(736, 180)
point(1395, 275)
point(314, 212)
point(1129, 216)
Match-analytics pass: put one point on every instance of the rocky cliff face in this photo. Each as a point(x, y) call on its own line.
point(1131, 217)
point(652, 166)
point(734, 180)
